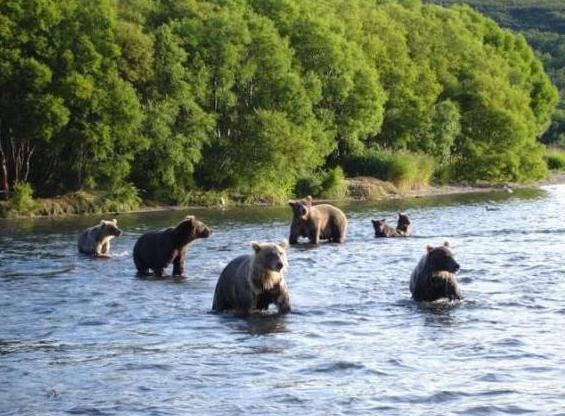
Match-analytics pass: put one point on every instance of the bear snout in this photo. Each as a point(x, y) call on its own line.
point(279, 266)
point(454, 267)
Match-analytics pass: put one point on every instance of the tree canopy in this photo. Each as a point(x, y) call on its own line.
point(252, 95)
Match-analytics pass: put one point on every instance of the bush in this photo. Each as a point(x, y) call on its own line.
point(334, 185)
point(22, 200)
point(206, 199)
point(309, 185)
point(407, 170)
point(322, 184)
point(371, 162)
point(122, 199)
point(555, 159)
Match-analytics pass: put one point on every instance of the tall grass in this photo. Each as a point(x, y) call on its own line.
point(407, 170)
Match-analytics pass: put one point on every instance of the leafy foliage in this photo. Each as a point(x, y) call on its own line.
point(543, 25)
point(252, 97)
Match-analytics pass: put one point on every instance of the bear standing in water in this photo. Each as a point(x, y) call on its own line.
point(156, 250)
point(434, 276)
point(320, 222)
point(95, 241)
point(252, 282)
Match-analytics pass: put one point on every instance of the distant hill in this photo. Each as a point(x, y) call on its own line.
point(543, 24)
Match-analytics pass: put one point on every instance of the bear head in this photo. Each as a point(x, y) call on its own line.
point(440, 259)
point(403, 221)
point(190, 229)
point(270, 256)
point(379, 226)
point(109, 229)
point(301, 209)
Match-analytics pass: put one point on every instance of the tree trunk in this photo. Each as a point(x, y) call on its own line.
point(4, 187)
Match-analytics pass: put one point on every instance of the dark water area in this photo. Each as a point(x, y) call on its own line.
point(85, 336)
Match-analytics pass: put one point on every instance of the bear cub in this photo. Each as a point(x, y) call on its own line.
point(95, 241)
point(156, 250)
point(320, 222)
point(250, 283)
point(434, 276)
point(403, 227)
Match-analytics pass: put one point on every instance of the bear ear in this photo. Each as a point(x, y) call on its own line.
point(383, 220)
point(284, 243)
point(308, 200)
point(291, 202)
point(374, 221)
point(102, 222)
point(256, 246)
point(429, 248)
point(115, 221)
point(189, 218)
point(446, 243)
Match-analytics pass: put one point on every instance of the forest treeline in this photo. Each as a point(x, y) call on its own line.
point(253, 96)
point(542, 22)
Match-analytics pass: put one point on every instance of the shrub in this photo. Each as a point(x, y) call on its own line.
point(309, 185)
point(555, 159)
point(206, 198)
point(334, 185)
point(322, 184)
point(122, 199)
point(22, 200)
point(407, 170)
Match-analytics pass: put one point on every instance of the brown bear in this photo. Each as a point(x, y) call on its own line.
point(434, 276)
point(404, 225)
point(95, 241)
point(252, 282)
point(320, 222)
point(156, 250)
point(382, 229)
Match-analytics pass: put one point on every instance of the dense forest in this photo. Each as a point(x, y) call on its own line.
point(256, 96)
point(543, 25)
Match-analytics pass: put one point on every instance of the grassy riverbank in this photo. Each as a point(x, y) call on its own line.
point(359, 188)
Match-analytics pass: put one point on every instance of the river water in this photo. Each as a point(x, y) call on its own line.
point(85, 336)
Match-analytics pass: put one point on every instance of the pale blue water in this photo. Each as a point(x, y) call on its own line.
point(84, 336)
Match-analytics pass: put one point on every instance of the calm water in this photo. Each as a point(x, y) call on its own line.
point(84, 336)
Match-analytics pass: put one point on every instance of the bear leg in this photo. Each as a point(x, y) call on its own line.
point(178, 265)
point(315, 236)
point(158, 272)
point(142, 269)
point(283, 303)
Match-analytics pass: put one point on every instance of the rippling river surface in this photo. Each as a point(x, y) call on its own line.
point(85, 336)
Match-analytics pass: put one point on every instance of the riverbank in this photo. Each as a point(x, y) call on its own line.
point(358, 189)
